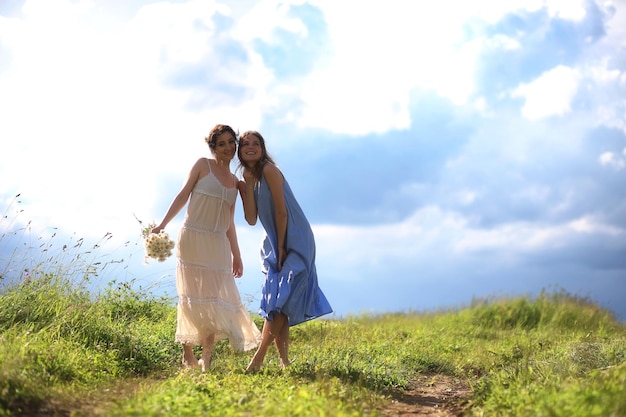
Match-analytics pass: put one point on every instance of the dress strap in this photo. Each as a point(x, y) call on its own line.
point(208, 161)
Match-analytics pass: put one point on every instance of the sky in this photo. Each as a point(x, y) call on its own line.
point(444, 152)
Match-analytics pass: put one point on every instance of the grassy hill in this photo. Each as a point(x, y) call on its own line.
point(74, 342)
point(67, 351)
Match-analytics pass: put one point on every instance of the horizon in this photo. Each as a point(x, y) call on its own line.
point(442, 152)
point(105, 261)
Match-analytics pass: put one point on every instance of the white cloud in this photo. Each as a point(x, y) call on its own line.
point(537, 194)
point(523, 237)
point(567, 9)
point(606, 87)
point(601, 73)
point(367, 85)
point(385, 52)
point(467, 197)
point(264, 17)
point(502, 42)
point(610, 159)
point(368, 81)
point(90, 131)
point(426, 231)
point(433, 234)
point(550, 94)
point(589, 224)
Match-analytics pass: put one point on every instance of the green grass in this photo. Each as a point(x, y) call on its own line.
point(68, 349)
point(65, 350)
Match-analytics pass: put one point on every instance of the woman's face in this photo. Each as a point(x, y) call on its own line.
point(250, 149)
point(225, 147)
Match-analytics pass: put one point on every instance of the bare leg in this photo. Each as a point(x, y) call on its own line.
point(189, 359)
point(207, 351)
point(282, 343)
point(271, 330)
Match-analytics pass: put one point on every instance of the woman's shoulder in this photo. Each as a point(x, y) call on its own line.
point(270, 168)
point(202, 161)
point(271, 172)
point(202, 166)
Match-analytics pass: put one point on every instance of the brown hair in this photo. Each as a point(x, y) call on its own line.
point(215, 133)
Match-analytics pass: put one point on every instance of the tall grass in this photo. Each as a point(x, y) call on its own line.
point(26, 253)
point(68, 348)
point(63, 324)
point(556, 355)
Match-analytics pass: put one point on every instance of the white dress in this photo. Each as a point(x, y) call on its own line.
point(208, 298)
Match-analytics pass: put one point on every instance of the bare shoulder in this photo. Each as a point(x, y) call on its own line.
point(202, 166)
point(203, 161)
point(271, 171)
point(273, 178)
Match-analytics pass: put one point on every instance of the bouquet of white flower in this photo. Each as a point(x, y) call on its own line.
point(159, 246)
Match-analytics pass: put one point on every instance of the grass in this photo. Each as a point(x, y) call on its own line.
point(69, 349)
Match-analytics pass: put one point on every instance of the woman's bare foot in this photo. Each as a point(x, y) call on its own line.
point(189, 359)
point(205, 362)
point(253, 367)
point(190, 362)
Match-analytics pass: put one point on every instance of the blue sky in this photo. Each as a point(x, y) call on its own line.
point(443, 151)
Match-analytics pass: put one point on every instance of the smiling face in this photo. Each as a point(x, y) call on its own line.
point(222, 141)
point(225, 147)
point(251, 149)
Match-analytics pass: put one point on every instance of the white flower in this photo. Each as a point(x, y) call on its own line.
point(159, 246)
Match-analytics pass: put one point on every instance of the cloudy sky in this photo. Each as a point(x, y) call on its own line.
point(443, 151)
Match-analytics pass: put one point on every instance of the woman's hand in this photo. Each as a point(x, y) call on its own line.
point(241, 185)
point(282, 255)
point(247, 176)
point(237, 267)
point(157, 229)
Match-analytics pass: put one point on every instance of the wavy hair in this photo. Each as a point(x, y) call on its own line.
point(215, 133)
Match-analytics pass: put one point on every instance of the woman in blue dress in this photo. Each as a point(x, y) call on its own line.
point(290, 294)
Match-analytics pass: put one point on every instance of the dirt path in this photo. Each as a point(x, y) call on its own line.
point(430, 396)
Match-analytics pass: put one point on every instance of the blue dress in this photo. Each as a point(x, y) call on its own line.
point(292, 291)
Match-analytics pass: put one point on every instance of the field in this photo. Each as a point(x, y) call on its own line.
point(69, 347)
point(66, 351)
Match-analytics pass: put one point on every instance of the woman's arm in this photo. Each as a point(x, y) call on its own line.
point(275, 181)
point(183, 195)
point(231, 234)
point(246, 190)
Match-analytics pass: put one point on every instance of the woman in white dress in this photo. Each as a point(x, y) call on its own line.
point(208, 258)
